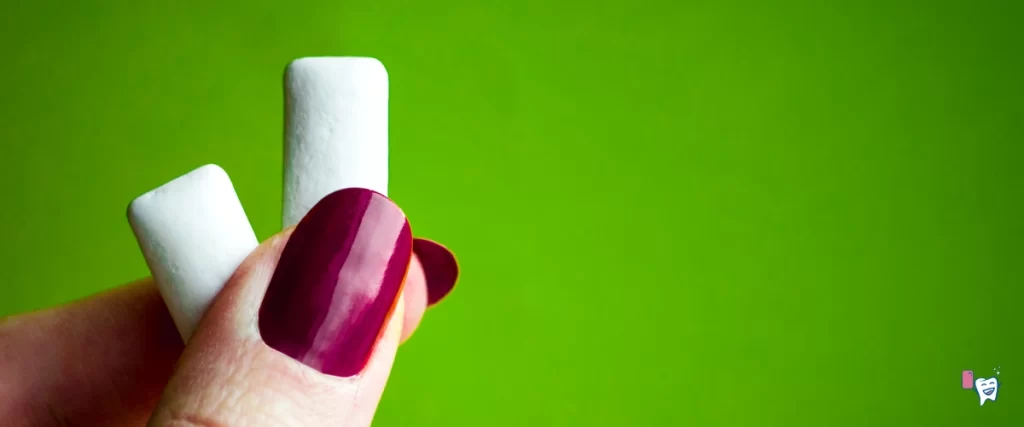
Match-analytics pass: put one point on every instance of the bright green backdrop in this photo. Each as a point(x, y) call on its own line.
point(710, 213)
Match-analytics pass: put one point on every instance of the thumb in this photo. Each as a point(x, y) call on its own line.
point(306, 331)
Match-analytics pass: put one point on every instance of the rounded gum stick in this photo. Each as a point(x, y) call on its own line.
point(193, 234)
point(336, 130)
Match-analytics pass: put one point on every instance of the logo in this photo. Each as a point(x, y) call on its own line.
point(987, 388)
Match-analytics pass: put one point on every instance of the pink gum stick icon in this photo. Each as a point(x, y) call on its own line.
point(968, 379)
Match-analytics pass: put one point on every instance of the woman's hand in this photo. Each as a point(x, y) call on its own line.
point(315, 348)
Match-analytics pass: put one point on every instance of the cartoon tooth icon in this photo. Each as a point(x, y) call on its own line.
point(987, 388)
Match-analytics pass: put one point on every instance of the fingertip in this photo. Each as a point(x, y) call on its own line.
point(440, 268)
point(415, 297)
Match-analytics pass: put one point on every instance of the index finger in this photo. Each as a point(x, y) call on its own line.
point(99, 361)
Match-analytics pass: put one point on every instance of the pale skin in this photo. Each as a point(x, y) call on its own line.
point(115, 359)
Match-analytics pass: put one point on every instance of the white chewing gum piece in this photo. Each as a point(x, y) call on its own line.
point(193, 234)
point(336, 130)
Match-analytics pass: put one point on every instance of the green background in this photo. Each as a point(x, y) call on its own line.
point(667, 213)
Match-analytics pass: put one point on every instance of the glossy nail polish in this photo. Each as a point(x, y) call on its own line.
point(439, 268)
point(338, 281)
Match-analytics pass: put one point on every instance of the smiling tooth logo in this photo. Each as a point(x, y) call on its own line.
point(987, 389)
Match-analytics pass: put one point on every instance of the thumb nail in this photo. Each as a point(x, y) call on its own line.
point(338, 281)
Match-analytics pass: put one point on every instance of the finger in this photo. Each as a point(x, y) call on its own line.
point(305, 332)
point(439, 267)
point(414, 298)
point(432, 276)
point(104, 360)
point(100, 361)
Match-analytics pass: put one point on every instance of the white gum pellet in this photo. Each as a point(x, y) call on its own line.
point(194, 234)
point(336, 130)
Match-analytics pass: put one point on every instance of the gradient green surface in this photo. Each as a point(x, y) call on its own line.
point(710, 213)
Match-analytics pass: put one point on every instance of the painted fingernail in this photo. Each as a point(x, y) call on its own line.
point(338, 281)
point(439, 268)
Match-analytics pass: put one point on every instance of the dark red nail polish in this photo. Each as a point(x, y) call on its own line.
point(439, 268)
point(337, 282)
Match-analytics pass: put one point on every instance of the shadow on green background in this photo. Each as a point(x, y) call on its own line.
point(712, 213)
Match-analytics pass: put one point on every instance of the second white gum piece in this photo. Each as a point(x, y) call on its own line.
point(336, 130)
point(193, 234)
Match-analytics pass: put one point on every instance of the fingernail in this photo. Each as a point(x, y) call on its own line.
point(337, 282)
point(439, 268)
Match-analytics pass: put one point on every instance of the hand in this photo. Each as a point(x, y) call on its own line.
point(116, 358)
